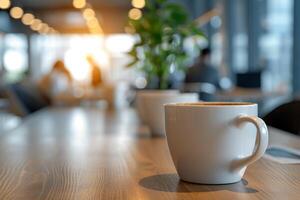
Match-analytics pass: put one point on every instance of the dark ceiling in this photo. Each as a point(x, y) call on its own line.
point(47, 4)
point(61, 15)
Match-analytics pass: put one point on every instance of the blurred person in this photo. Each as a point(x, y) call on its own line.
point(57, 81)
point(96, 75)
point(202, 71)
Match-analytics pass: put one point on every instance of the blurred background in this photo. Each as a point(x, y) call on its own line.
point(253, 44)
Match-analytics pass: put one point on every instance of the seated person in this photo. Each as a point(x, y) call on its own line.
point(202, 71)
point(58, 80)
point(96, 75)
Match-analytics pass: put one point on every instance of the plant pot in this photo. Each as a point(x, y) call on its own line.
point(153, 108)
point(142, 94)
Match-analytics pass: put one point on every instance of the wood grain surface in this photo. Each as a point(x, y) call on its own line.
point(86, 153)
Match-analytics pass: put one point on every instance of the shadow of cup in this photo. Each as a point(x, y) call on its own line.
point(172, 183)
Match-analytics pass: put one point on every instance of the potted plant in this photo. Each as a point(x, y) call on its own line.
point(159, 51)
point(162, 30)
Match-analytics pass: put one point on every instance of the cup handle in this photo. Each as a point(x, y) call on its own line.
point(261, 141)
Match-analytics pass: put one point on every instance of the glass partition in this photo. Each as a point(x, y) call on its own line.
point(276, 43)
point(15, 57)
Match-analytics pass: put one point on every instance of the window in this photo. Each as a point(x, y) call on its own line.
point(15, 60)
point(276, 43)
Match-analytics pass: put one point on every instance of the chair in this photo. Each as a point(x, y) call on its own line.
point(26, 98)
point(249, 79)
point(206, 91)
point(285, 117)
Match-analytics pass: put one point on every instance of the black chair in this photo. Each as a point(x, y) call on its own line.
point(26, 98)
point(285, 117)
point(249, 79)
point(206, 91)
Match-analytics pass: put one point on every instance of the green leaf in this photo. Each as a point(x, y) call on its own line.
point(162, 30)
point(132, 64)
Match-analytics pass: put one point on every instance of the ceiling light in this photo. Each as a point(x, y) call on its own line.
point(135, 14)
point(27, 19)
point(138, 3)
point(79, 4)
point(96, 29)
point(88, 13)
point(16, 12)
point(44, 28)
point(36, 24)
point(92, 23)
point(4, 4)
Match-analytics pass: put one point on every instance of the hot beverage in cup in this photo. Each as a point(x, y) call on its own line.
point(213, 143)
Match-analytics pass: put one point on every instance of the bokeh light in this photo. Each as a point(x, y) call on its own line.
point(140, 82)
point(44, 28)
point(138, 3)
point(36, 24)
point(27, 19)
point(79, 4)
point(14, 61)
point(16, 12)
point(135, 14)
point(4, 4)
point(88, 13)
point(92, 23)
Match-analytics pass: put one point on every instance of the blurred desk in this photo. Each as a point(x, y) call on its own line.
point(246, 94)
point(266, 101)
point(82, 95)
point(76, 153)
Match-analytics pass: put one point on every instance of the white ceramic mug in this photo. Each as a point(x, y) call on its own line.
point(154, 108)
point(213, 143)
point(142, 94)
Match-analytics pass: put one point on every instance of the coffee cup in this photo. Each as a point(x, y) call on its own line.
point(154, 108)
point(144, 94)
point(213, 143)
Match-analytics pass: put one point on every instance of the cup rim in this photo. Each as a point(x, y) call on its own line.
point(202, 104)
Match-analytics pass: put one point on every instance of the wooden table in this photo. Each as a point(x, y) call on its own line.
point(266, 100)
point(249, 94)
point(87, 153)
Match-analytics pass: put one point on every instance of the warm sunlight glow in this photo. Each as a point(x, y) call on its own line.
point(94, 26)
point(88, 13)
point(135, 14)
point(79, 4)
point(138, 3)
point(96, 30)
point(119, 43)
point(77, 64)
point(27, 19)
point(16, 12)
point(4, 4)
point(75, 57)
